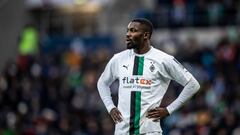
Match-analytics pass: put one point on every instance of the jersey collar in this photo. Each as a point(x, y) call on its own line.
point(144, 53)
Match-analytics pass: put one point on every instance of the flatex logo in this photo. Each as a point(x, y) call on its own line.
point(136, 80)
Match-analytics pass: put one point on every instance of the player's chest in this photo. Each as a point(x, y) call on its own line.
point(138, 66)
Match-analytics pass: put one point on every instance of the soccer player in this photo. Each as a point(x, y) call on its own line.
point(144, 74)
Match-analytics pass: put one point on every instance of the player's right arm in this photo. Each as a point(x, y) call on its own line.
point(106, 79)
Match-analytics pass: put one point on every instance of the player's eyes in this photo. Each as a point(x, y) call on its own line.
point(131, 30)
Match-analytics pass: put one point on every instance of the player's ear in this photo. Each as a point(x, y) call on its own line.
point(146, 35)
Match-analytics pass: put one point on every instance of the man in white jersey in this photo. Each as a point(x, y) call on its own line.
point(144, 74)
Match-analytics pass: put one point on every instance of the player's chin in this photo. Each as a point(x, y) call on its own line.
point(130, 45)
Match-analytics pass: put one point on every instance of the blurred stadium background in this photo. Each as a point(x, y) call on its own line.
point(53, 51)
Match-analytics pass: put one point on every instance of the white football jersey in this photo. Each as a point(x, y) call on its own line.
point(143, 81)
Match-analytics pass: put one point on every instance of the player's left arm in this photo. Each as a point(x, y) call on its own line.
point(175, 71)
point(188, 91)
point(181, 75)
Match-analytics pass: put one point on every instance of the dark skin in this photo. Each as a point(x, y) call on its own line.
point(138, 38)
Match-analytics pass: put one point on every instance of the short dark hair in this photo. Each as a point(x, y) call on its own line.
point(147, 23)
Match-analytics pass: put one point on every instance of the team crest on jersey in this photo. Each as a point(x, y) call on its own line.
point(152, 67)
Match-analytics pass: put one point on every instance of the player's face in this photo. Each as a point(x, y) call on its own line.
point(135, 35)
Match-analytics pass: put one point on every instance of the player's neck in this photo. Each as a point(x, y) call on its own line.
point(143, 49)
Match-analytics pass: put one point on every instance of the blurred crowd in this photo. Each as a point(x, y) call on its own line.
point(51, 94)
point(51, 89)
point(215, 109)
point(55, 93)
point(187, 13)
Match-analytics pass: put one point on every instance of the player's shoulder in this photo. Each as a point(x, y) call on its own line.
point(160, 55)
point(122, 54)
